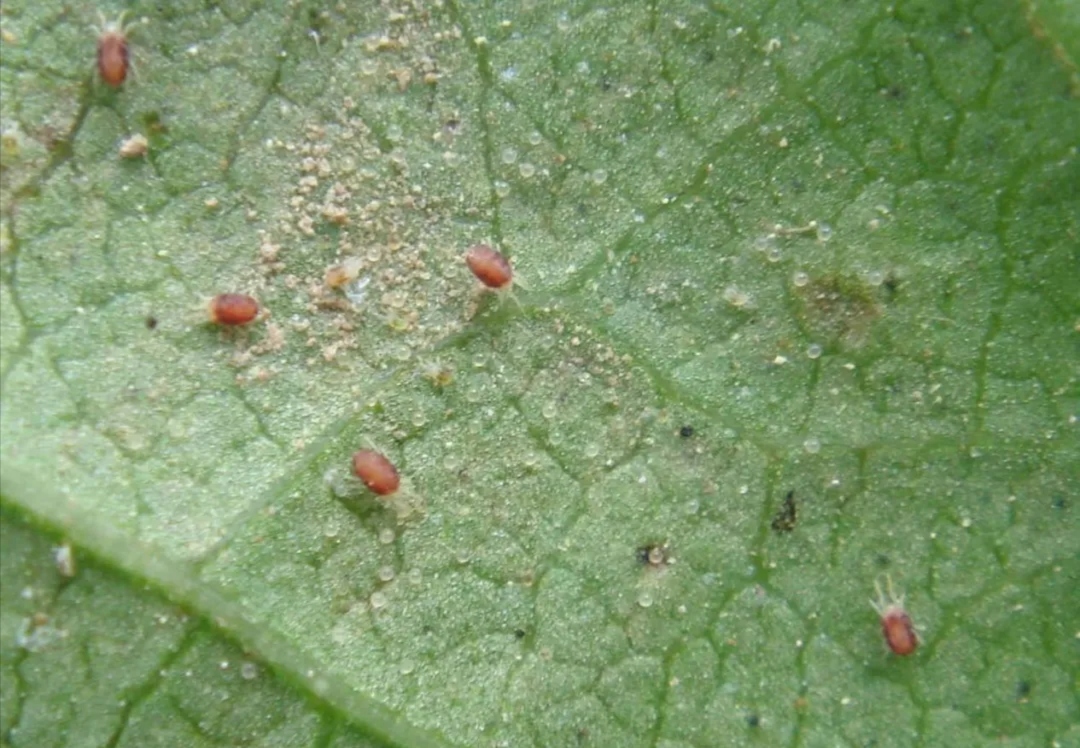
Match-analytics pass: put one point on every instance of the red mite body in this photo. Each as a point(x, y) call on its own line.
point(233, 309)
point(489, 266)
point(899, 631)
point(113, 58)
point(377, 472)
point(896, 625)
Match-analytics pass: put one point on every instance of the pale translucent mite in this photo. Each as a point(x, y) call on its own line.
point(65, 560)
point(896, 625)
point(437, 372)
point(134, 147)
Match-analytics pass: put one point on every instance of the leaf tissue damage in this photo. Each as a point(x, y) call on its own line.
point(839, 309)
point(562, 558)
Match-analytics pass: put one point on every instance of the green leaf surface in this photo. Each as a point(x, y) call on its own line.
point(799, 312)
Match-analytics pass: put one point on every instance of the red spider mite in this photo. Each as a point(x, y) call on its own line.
point(377, 472)
point(490, 267)
point(113, 56)
point(896, 625)
point(233, 309)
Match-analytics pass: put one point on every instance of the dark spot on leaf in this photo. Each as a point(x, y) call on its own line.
point(686, 432)
point(519, 633)
point(838, 308)
point(1059, 503)
point(752, 720)
point(318, 21)
point(1023, 690)
point(153, 125)
point(881, 560)
point(784, 520)
point(653, 554)
point(151, 322)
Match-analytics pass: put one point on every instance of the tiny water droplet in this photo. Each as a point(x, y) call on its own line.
point(386, 573)
point(502, 189)
point(377, 600)
point(386, 536)
point(509, 155)
point(527, 170)
point(813, 350)
point(800, 279)
point(812, 445)
point(599, 176)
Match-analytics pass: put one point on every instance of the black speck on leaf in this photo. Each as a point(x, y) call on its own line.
point(785, 518)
